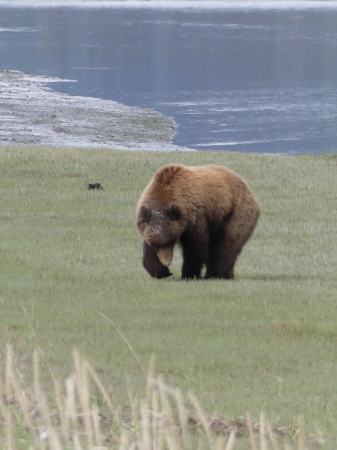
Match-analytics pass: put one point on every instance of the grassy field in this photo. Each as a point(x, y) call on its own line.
point(266, 341)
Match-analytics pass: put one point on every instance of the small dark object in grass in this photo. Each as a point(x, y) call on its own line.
point(95, 186)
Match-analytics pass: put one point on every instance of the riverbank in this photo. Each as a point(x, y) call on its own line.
point(33, 114)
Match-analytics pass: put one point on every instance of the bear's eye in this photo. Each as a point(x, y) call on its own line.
point(174, 212)
point(145, 214)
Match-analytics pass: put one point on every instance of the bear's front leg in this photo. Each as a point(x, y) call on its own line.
point(195, 255)
point(152, 264)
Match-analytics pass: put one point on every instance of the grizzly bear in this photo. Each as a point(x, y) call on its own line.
point(209, 210)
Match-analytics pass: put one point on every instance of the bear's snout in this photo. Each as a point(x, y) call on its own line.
point(165, 255)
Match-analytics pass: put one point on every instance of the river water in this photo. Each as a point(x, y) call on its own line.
point(245, 76)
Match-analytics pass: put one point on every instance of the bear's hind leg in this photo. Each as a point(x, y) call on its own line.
point(221, 260)
point(226, 245)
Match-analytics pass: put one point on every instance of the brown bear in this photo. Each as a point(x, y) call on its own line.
point(209, 210)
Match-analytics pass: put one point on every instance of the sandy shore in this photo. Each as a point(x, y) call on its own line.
point(32, 114)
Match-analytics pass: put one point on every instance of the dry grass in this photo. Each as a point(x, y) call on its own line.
point(163, 419)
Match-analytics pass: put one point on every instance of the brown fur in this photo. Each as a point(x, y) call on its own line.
point(208, 209)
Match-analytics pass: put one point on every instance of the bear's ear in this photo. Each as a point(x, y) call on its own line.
point(145, 214)
point(174, 212)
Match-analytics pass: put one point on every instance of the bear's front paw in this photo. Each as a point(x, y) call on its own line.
point(152, 264)
point(163, 273)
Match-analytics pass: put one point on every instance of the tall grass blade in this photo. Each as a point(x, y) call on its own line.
point(252, 437)
point(97, 428)
point(70, 409)
point(145, 427)
point(263, 433)
point(100, 385)
point(61, 411)
point(231, 440)
point(84, 395)
point(6, 418)
point(271, 436)
point(125, 340)
point(123, 441)
point(170, 431)
point(220, 444)
point(42, 407)
point(17, 393)
point(155, 419)
point(182, 413)
point(202, 418)
point(9, 365)
point(300, 434)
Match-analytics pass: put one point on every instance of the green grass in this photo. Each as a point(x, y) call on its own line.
point(263, 342)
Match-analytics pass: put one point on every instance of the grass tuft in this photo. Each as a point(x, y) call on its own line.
point(68, 418)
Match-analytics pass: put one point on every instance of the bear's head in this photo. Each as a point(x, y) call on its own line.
point(161, 226)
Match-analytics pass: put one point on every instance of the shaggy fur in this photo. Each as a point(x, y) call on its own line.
point(209, 210)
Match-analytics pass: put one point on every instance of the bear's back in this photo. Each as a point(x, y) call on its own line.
point(209, 186)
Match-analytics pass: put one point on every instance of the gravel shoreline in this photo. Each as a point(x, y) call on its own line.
point(34, 115)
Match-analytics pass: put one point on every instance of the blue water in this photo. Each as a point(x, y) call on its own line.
point(246, 79)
